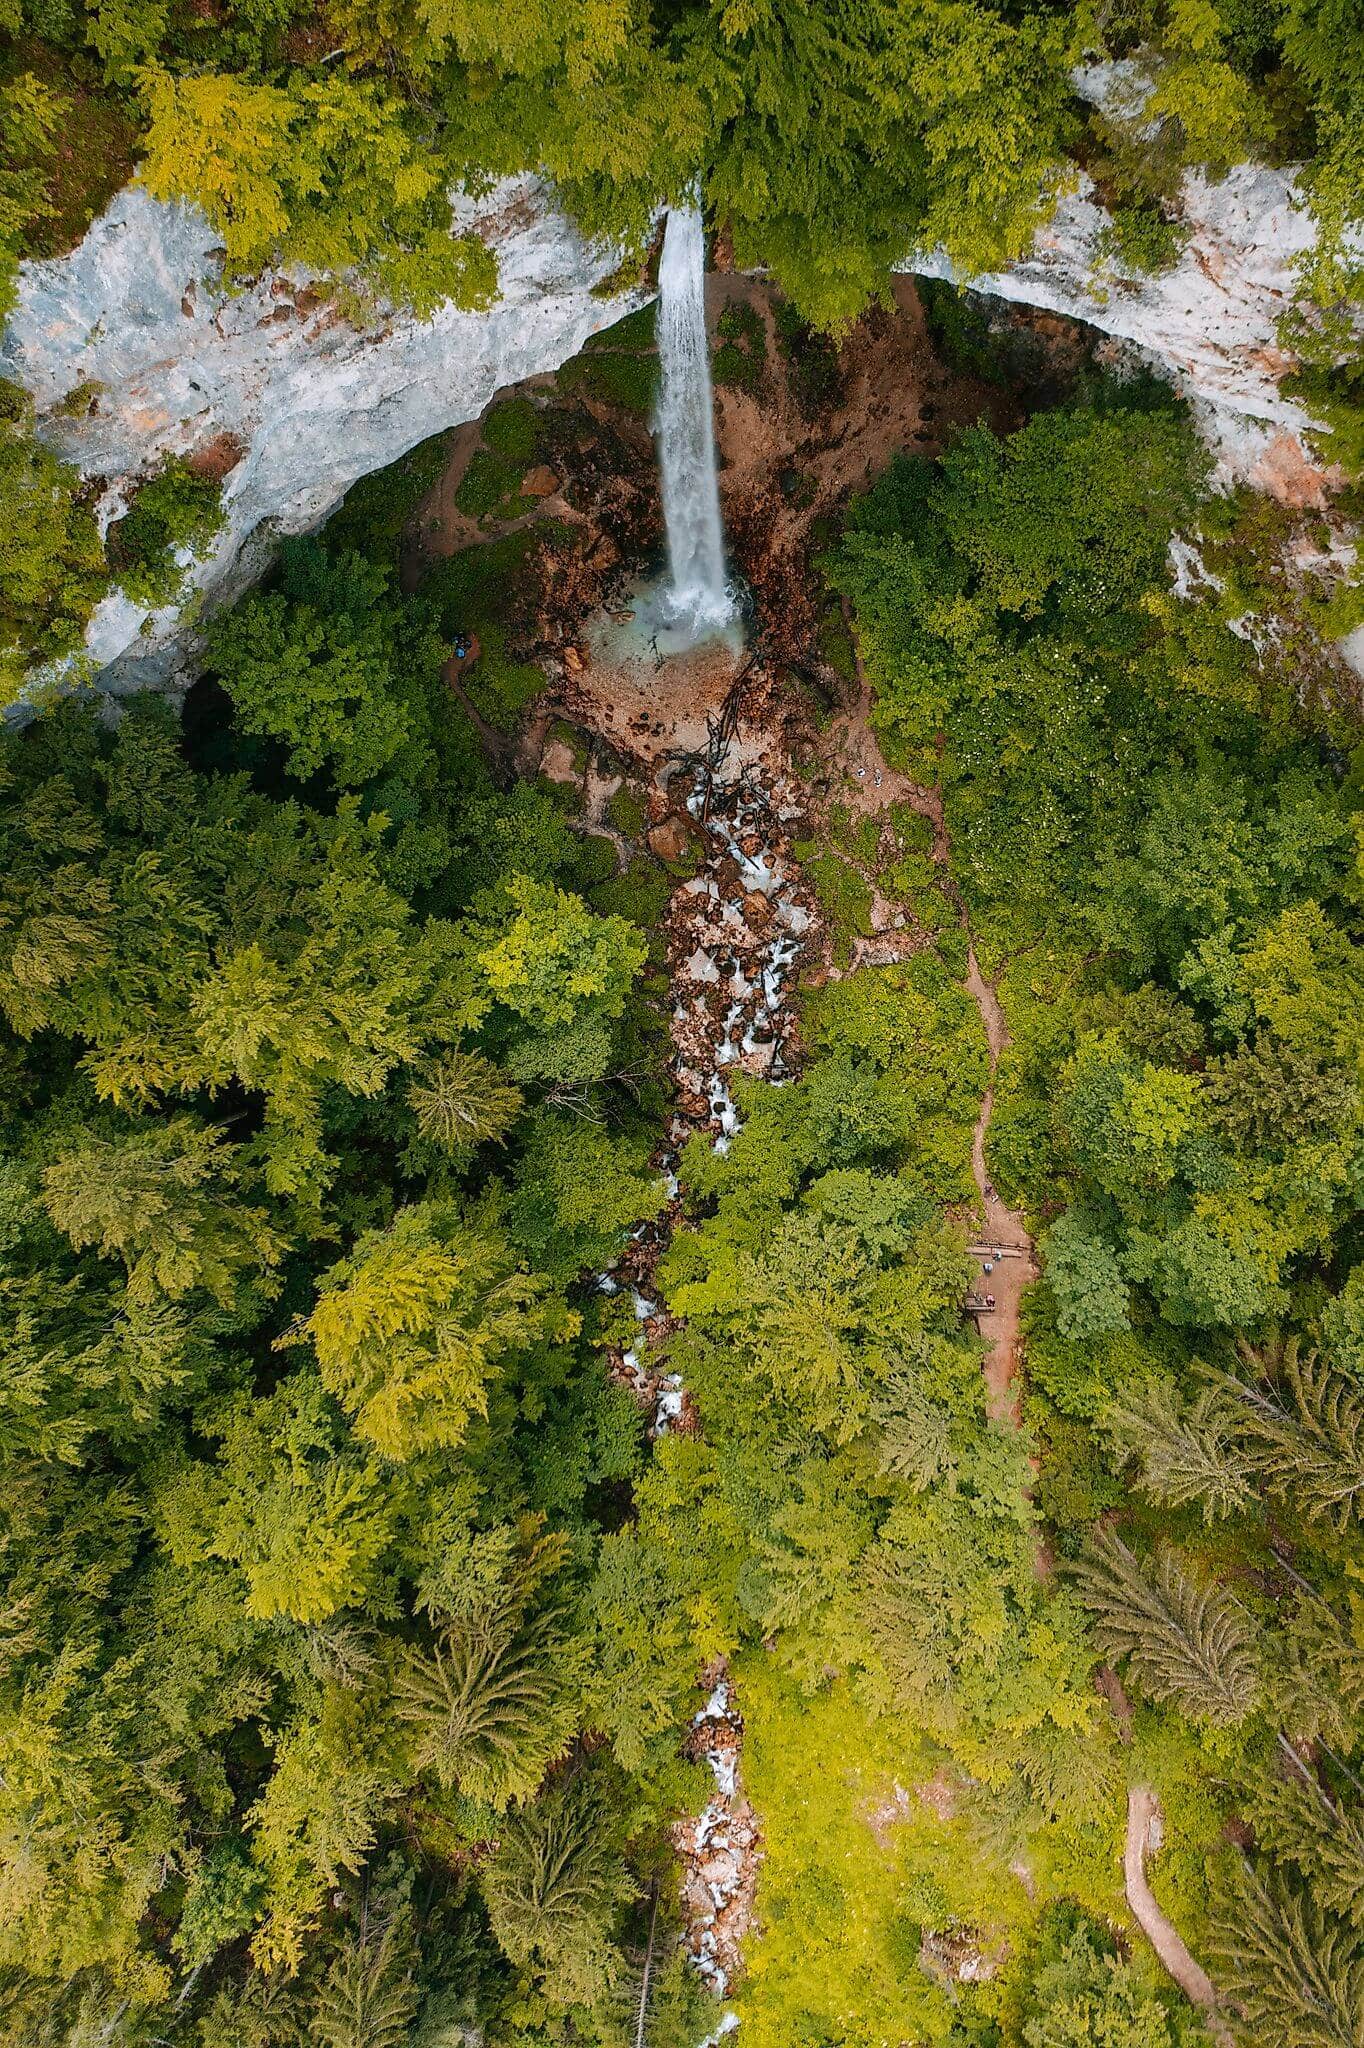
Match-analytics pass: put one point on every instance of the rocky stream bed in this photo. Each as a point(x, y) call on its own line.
point(738, 932)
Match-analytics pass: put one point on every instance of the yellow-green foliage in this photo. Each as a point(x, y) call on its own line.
point(1194, 1772)
point(52, 568)
point(869, 1843)
point(845, 899)
point(837, 1960)
point(28, 120)
point(913, 1021)
point(329, 172)
point(173, 511)
point(1176, 1109)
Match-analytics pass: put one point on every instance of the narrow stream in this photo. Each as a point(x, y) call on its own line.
point(737, 933)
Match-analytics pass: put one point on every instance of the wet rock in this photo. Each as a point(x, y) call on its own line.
point(720, 1848)
point(757, 910)
point(670, 839)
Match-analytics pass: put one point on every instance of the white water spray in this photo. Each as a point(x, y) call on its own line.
point(698, 598)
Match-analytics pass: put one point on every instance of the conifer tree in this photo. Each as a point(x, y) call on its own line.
point(1188, 1450)
point(488, 1703)
point(1088, 1997)
point(289, 1500)
point(409, 1328)
point(916, 1432)
point(460, 1100)
point(1187, 1644)
point(1305, 1434)
point(1314, 1684)
point(1297, 1822)
point(552, 1891)
point(52, 567)
point(1296, 1973)
point(168, 1199)
point(369, 1996)
point(317, 1818)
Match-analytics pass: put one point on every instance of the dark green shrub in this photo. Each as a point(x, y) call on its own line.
point(512, 429)
point(173, 510)
point(741, 357)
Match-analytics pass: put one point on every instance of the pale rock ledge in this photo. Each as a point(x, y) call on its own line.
point(274, 372)
point(1210, 322)
point(274, 376)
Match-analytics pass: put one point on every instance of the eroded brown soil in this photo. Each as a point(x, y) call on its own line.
point(785, 467)
point(787, 463)
point(858, 779)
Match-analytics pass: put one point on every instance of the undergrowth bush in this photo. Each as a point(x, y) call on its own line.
point(174, 512)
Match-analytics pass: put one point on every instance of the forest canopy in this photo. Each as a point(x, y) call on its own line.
point(358, 1612)
point(830, 140)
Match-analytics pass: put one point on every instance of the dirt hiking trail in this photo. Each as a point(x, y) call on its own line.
point(1143, 1832)
point(1005, 1244)
point(870, 784)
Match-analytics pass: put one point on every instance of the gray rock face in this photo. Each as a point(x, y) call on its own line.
point(275, 376)
point(1210, 322)
point(274, 372)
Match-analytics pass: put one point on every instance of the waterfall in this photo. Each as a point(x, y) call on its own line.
point(698, 597)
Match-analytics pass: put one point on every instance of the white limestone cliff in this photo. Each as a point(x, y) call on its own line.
point(1210, 322)
point(273, 375)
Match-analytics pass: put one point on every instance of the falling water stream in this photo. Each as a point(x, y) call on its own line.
point(697, 599)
